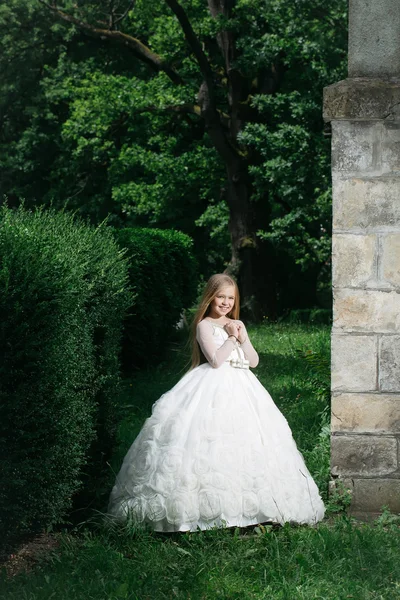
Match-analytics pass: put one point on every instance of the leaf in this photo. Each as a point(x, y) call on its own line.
point(183, 551)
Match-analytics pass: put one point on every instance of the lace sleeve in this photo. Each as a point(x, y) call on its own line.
point(215, 356)
point(248, 348)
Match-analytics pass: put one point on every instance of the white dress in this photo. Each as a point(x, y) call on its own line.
point(216, 451)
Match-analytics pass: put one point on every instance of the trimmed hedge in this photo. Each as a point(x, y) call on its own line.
point(63, 295)
point(163, 275)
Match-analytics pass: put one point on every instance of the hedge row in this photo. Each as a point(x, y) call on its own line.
point(65, 288)
point(63, 294)
point(163, 276)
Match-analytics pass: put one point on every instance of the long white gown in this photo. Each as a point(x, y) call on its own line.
point(216, 451)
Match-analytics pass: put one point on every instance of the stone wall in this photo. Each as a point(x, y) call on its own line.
point(365, 451)
point(374, 48)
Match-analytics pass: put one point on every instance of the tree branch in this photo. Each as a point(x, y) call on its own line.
point(225, 39)
point(207, 108)
point(224, 143)
point(122, 17)
point(136, 46)
point(195, 45)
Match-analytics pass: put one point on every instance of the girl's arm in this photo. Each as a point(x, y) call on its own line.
point(204, 336)
point(247, 346)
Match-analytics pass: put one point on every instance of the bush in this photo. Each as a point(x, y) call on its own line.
point(163, 277)
point(62, 299)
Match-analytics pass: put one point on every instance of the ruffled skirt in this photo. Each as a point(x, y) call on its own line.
point(216, 451)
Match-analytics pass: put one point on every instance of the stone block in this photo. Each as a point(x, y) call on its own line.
point(362, 99)
point(355, 146)
point(363, 455)
point(354, 260)
point(390, 144)
point(389, 260)
point(389, 363)
point(370, 495)
point(369, 148)
point(372, 311)
point(366, 203)
point(366, 413)
point(374, 49)
point(354, 363)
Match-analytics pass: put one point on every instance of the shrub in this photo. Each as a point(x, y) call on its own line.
point(62, 299)
point(162, 272)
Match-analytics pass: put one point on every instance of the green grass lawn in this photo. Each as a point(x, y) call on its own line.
point(338, 559)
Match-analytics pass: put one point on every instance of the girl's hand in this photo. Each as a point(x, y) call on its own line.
point(231, 328)
point(241, 333)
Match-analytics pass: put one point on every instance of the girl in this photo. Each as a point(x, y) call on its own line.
point(216, 451)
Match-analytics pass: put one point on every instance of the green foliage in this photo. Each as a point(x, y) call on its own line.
point(319, 365)
point(163, 276)
point(89, 126)
point(339, 498)
point(30, 42)
point(387, 518)
point(62, 297)
point(318, 457)
point(293, 165)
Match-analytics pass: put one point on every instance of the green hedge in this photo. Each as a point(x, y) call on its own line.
point(163, 276)
point(63, 295)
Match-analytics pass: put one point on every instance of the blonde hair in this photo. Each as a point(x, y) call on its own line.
point(213, 286)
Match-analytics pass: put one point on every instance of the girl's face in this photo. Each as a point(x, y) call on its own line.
point(223, 302)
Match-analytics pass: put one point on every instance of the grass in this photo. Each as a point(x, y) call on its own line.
point(331, 562)
point(336, 560)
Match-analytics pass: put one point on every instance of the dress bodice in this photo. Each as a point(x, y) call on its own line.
point(219, 348)
point(219, 338)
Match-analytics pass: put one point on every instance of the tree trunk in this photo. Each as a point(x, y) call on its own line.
point(252, 261)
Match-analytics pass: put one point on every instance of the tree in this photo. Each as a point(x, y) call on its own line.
point(237, 85)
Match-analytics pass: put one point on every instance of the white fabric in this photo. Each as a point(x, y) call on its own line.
point(229, 350)
point(216, 451)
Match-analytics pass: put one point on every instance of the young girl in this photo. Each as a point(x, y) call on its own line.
point(216, 451)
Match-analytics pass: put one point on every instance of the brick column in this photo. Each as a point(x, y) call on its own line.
point(365, 114)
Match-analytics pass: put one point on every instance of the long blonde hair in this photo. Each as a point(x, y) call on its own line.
point(213, 286)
